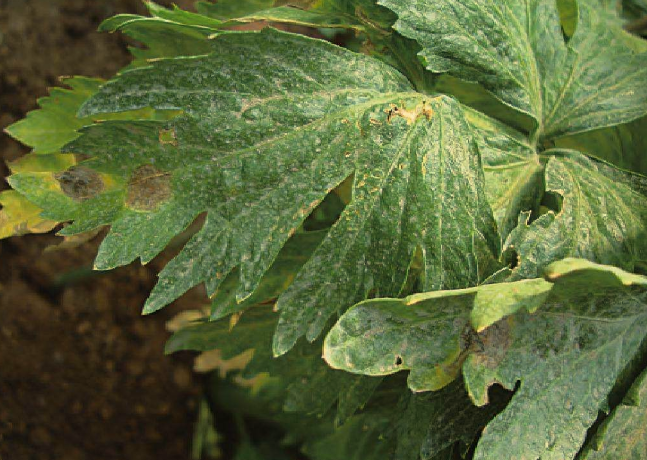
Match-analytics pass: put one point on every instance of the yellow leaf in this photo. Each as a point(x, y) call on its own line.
point(19, 216)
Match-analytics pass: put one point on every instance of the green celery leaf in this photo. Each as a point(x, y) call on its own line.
point(616, 13)
point(47, 130)
point(589, 324)
point(602, 217)
point(399, 425)
point(230, 9)
point(253, 331)
point(622, 434)
point(181, 16)
point(55, 124)
point(431, 334)
point(355, 397)
point(169, 33)
point(574, 274)
point(314, 388)
point(567, 338)
point(293, 255)
point(517, 51)
point(311, 387)
point(478, 98)
point(427, 334)
point(310, 18)
point(513, 172)
point(34, 162)
point(360, 15)
point(340, 273)
point(609, 9)
point(260, 143)
point(567, 356)
point(393, 425)
point(370, 22)
point(625, 145)
point(360, 439)
point(366, 436)
point(431, 422)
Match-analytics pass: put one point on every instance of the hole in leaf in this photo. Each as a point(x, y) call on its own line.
point(511, 258)
point(552, 201)
point(398, 360)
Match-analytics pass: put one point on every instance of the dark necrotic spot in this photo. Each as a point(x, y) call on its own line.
point(80, 183)
point(491, 345)
point(148, 187)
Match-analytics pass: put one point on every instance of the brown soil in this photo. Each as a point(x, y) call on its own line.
point(82, 374)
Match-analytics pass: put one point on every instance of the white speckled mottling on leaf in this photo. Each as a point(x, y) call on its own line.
point(516, 50)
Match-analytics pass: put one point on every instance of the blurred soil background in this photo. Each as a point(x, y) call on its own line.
point(82, 374)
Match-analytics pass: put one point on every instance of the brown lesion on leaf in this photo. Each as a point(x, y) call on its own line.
point(80, 183)
point(490, 346)
point(148, 187)
point(411, 116)
point(168, 137)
